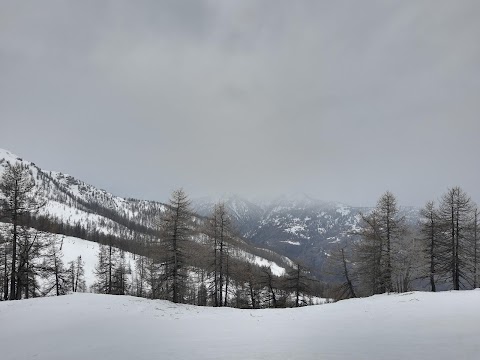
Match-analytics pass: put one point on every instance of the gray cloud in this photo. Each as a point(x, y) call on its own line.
point(341, 100)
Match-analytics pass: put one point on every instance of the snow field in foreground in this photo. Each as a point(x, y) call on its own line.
point(89, 326)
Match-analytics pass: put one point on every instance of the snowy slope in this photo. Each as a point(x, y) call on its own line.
point(76, 203)
point(73, 247)
point(88, 326)
point(71, 200)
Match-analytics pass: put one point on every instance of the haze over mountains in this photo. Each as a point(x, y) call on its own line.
point(297, 226)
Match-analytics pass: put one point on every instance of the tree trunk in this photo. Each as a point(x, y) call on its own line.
point(252, 295)
point(57, 282)
point(453, 267)
point(475, 250)
point(297, 288)
point(175, 255)
point(5, 275)
point(347, 277)
point(388, 274)
point(220, 276)
point(110, 269)
point(457, 246)
point(432, 253)
point(215, 275)
point(27, 290)
point(226, 281)
point(14, 244)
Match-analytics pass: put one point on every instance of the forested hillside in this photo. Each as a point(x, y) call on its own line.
point(202, 252)
point(177, 254)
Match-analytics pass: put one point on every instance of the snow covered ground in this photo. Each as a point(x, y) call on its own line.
point(89, 326)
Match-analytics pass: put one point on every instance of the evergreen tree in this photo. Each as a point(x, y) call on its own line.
point(457, 216)
point(140, 276)
point(153, 278)
point(430, 233)
point(55, 274)
point(202, 295)
point(5, 265)
point(76, 275)
point(80, 284)
point(176, 231)
point(368, 254)
point(250, 278)
point(101, 271)
point(383, 233)
point(119, 277)
point(19, 198)
point(298, 283)
point(269, 281)
point(219, 230)
point(30, 245)
point(475, 248)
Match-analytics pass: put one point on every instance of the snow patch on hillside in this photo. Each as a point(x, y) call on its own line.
point(343, 210)
point(73, 216)
point(291, 242)
point(74, 247)
point(295, 229)
point(333, 240)
point(257, 260)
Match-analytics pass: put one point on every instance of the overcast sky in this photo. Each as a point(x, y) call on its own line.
point(341, 100)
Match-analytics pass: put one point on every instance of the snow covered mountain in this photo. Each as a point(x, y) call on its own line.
point(297, 226)
point(81, 210)
point(244, 213)
point(76, 203)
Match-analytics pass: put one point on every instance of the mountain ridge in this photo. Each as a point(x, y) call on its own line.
point(294, 226)
point(72, 203)
point(303, 228)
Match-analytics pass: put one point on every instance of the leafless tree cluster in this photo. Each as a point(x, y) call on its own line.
point(387, 254)
point(31, 261)
point(201, 263)
point(450, 241)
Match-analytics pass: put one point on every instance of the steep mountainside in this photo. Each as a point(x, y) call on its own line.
point(74, 202)
point(91, 213)
point(244, 213)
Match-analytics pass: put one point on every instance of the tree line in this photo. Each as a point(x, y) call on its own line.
point(389, 253)
point(194, 264)
point(187, 259)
